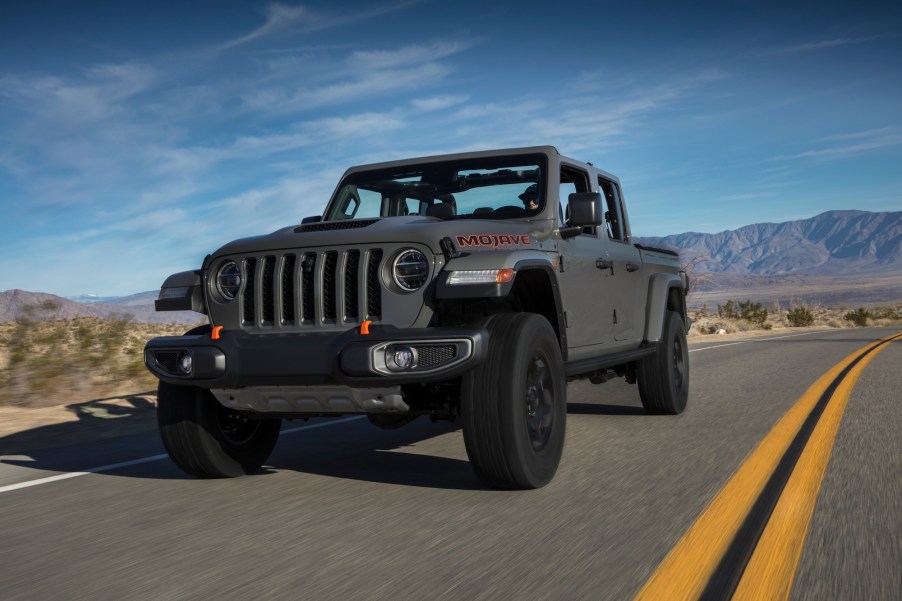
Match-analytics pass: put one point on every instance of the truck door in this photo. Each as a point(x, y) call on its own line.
point(627, 291)
point(584, 281)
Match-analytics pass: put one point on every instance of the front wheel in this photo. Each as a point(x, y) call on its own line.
point(206, 439)
point(514, 405)
point(663, 378)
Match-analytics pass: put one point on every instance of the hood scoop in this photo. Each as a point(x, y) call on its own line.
point(328, 226)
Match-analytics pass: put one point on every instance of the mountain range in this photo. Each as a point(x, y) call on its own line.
point(42, 306)
point(852, 248)
point(832, 243)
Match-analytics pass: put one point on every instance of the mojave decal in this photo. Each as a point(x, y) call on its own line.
point(493, 240)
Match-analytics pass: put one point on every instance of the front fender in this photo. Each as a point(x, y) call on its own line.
point(659, 290)
point(182, 292)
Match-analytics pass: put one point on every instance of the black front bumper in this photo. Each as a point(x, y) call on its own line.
point(238, 359)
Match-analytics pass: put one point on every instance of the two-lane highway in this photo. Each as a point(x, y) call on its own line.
point(348, 511)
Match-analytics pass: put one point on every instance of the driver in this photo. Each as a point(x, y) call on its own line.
point(530, 197)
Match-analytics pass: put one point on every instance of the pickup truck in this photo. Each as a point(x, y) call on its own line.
point(467, 286)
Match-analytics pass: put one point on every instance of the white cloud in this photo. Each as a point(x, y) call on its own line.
point(574, 123)
point(353, 126)
point(745, 196)
point(370, 60)
point(295, 18)
point(866, 141)
point(857, 135)
point(98, 95)
point(821, 45)
point(278, 18)
point(374, 84)
point(437, 103)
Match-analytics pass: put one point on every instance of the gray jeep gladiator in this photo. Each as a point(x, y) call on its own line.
point(470, 286)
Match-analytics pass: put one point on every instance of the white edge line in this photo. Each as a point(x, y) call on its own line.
point(114, 466)
point(747, 340)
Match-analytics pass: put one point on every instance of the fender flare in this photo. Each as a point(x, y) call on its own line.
point(545, 265)
point(659, 291)
point(182, 292)
point(521, 261)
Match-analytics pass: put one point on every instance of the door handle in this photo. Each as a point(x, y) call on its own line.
point(605, 264)
point(631, 267)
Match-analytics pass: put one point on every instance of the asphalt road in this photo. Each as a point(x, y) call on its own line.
point(348, 511)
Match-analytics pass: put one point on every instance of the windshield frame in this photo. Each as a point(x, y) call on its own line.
point(445, 173)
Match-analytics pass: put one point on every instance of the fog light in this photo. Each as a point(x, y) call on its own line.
point(399, 358)
point(185, 363)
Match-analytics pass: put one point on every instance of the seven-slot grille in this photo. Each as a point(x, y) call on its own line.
point(307, 289)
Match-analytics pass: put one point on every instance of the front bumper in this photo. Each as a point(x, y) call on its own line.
point(238, 360)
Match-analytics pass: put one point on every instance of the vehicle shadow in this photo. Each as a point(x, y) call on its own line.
point(123, 429)
point(603, 409)
point(98, 419)
point(354, 450)
point(369, 454)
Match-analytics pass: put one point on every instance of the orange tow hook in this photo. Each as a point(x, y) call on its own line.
point(215, 333)
point(365, 328)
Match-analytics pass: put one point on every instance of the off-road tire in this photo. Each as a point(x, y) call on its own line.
point(206, 439)
point(663, 377)
point(514, 405)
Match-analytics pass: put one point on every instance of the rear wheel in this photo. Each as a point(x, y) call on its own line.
point(208, 440)
point(514, 405)
point(663, 378)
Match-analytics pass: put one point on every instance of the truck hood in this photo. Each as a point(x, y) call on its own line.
point(484, 233)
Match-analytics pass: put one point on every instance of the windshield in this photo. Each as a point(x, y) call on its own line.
point(489, 188)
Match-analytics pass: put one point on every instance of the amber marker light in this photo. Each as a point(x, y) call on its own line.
point(504, 276)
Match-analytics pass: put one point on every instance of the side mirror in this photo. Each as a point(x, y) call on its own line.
point(585, 209)
point(312, 219)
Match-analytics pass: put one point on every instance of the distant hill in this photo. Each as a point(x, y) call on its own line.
point(41, 306)
point(833, 243)
point(92, 298)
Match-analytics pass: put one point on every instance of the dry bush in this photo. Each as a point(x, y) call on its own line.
point(69, 360)
point(800, 317)
point(859, 316)
point(745, 310)
point(696, 277)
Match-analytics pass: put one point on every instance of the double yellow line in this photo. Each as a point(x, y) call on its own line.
point(748, 541)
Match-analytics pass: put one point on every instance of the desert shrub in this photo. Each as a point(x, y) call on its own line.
point(800, 317)
point(58, 361)
point(859, 316)
point(728, 310)
point(744, 310)
point(891, 313)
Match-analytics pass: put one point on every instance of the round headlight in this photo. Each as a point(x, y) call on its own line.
point(410, 270)
point(228, 280)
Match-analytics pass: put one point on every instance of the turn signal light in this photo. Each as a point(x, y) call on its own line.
point(482, 276)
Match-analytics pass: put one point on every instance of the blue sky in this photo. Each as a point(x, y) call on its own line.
point(136, 137)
